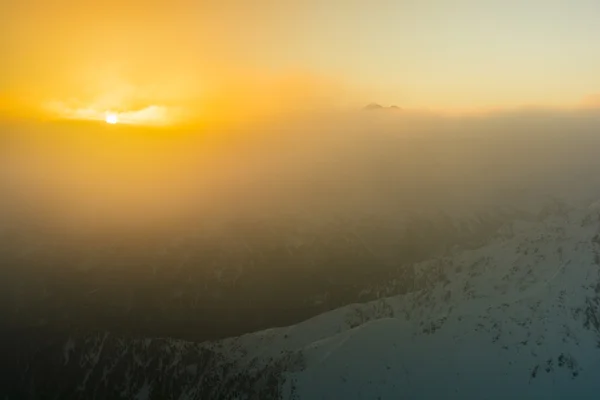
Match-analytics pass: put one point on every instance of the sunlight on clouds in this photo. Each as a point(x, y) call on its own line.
point(152, 115)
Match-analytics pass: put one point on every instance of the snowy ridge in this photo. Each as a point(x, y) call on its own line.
point(518, 317)
point(515, 318)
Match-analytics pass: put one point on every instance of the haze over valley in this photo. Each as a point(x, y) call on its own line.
point(197, 238)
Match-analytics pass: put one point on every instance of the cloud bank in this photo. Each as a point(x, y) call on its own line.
point(324, 164)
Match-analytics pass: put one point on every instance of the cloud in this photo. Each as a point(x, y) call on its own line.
point(591, 101)
point(351, 163)
point(150, 115)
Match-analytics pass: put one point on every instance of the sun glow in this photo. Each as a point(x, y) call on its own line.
point(152, 115)
point(111, 118)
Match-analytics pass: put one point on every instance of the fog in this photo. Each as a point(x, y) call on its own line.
point(206, 235)
point(94, 177)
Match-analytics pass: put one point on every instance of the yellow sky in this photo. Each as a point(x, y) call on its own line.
point(186, 60)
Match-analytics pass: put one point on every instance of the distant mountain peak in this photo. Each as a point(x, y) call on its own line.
point(373, 106)
point(377, 106)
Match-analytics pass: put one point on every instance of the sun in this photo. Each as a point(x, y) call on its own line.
point(111, 118)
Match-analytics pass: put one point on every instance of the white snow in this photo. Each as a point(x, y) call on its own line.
point(68, 348)
point(505, 326)
point(144, 392)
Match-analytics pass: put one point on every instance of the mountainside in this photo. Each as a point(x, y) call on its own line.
point(249, 275)
point(516, 315)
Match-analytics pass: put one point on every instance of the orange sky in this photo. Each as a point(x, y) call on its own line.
point(188, 61)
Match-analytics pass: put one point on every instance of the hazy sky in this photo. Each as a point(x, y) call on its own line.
point(208, 58)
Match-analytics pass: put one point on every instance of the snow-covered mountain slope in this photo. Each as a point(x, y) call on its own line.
point(518, 317)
